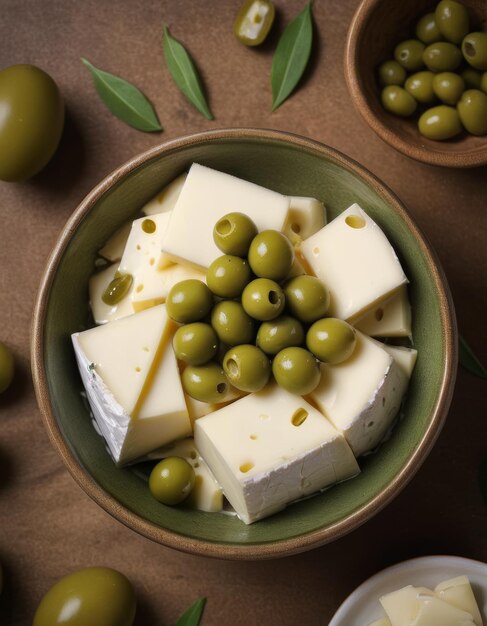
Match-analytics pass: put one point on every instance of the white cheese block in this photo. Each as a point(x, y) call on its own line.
point(208, 195)
point(207, 495)
point(404, 357)
point(269, 449)
point(165, 199)
point(114, 247)
point(458, 592)
point(362, 395)
point(103, 313)
point(354, 259)
point(391, 318)
point(305, 217)
point(434, 611)
point(402, 606)
point(197, 409)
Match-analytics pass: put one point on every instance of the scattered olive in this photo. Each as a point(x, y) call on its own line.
point(263, 299)
point(195, 343)
point(398, 101)
point(440, 122)
point(282, 332)
point(331, 340)
point(391, 73)
point(452, 20)
point(228, 275)
point(409, 54)
point(247, 368)
point(254, 22)
point(296, 370)
point(271, 255)
point(231, 323)
point(448, 87)
point(472, 109)
point(189, 301)
point(206, 383)
point(233, 233)
point(474, 48)
point(420, 86)
point(171, 480)
point(7, 367)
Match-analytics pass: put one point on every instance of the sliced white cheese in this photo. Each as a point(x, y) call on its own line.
point(391, 318)
point(305, 217)
point(458, 592)
point(207, 495)
point(165, 199)
point(354, 259)
point(269, 449)
point(402, 606)
point(113, 248)
point(362, 395)
point(207, 195)
point(103, 313)
point(404, 357)
point(434, 611)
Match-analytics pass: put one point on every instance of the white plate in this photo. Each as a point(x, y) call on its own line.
point(362, 606)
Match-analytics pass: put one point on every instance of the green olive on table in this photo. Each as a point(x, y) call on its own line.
point(171, 480)
point(307, 298)
point(452, 20)
point(31, 121)
point(331, 340)
point(296, 370)
point(420, 86)
point(195, 343)
point(189, 301)
point(282, 332)
point(440, 122)
point(247, 368)
point(228, 275)
point(391, 73)
point(398, 101)
point(427, 29)
point(206, 383)
point(98, 596)
point(448, 87)
point(233, 233)
point(409, 54)
point(471, 77)
point(231, 323)
point(474, 48)
point(254, 22)
point(7, 367)
point(271, 255)
point(442, 56)
point(263, 299)
point(472, 109)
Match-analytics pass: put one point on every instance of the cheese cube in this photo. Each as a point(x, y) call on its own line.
point(305, 217)
point(458, 592)
point(391, 318)
point(197, 409)
point(114, 246)
point(352, 256)
point(404, 357)
point(208, 195)
point(362, 395)
point(166, 199)
point(269, 449)
point(103, 313)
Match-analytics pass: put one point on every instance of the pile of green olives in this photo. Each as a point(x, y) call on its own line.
point(441, 73)
point(250, 321)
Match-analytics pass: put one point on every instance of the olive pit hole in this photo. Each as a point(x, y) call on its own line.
point(221, 387)
point(355, 221)
point(469, 49)
point(273, 297)
point(223, 227)
point(232, 367)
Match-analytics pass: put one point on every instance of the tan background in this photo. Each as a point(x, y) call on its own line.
point(48, 526)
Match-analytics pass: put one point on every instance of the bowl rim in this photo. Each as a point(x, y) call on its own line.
point(472, 158)
point(234, 551)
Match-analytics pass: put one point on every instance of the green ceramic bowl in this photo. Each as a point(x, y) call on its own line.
point(291, 165)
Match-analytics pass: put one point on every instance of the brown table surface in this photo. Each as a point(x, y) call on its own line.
point(48, 526)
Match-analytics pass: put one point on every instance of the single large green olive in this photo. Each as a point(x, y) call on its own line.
point(391, 73)
point(283, 332)
point(31, 121)
point(271, 255)
point(231, 323)
point(441, 122)
point(474, 48)
point(427, 29)
point(307, 298)
point(254, 22)
point(171, 480)
point(189, 301)
point(448, 87)
point(228, 275)
point(398, 101)
point(472, 108)
point(420, 86)
point(263, 299)
point(452, 20)
point(471, 77)
point(409, 54)
point(233, 233)
point(296, 370)
point(331, 340)
point(442, 56)
point(206, 383)
point(7, 367)
point(95, 596)
point(195, 343)
point(247, 368)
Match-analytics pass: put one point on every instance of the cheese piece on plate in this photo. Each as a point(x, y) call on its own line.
point(166, 199)
point(207, 495)
point(132, 382)
point(404, 357)
point(305, 217)
point(103, 313)
point(208, 195)
point(391, 318)
point(354, 259)
point(269, 449)
point(402, 606)
point(114, 246)
point(458, 592)
point(362, 395)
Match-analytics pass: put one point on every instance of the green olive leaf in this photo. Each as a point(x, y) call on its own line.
point(469, 361)
point(192, 616)
point(184, 73)
point(124, 100)
point(291, 56)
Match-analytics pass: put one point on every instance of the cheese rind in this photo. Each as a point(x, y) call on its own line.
point(305, 217)
point(354, 259)
point(166, 199)
point(264, 457)
point(391, 318)
point(103, 313)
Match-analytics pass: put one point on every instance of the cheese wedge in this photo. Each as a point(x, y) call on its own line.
point(114, 246)
point(404, 357)
point(391, 318)
point(166, 199)
point(305, 217)
point(458, 592)
point(103, 313)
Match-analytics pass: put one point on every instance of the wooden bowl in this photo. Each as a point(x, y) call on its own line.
point(376, 28)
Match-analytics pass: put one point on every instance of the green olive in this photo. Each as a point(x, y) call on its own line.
point(296, 370)
point(483, 82)
point(452, 19)
point(331, 340)
point(195, 343)
point(409, 54)
point(427, 29)
point(189, 301)
point(472, 109)
point(247, 368)
point(263, 299)
point(283, 332)
point(448, 87)
point(442, 56)
point(231, 323)
point(171, 480)
point(474, 48)
point(254, 22)
point(206, 383)
point(391, 73)
point(471, 77)
point(98, 596)
point(117, 288)
point(233, 233)
point(441, 122)
point(398, 101)
point(271, 255)
point(420, 86)
point(31, 121)
point(7, 367)
point(228, 275)
point(307, 298)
